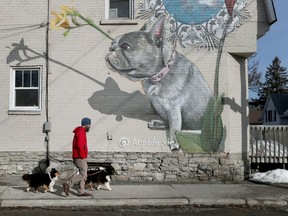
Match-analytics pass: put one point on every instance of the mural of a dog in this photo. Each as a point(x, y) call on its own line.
point(174, 85)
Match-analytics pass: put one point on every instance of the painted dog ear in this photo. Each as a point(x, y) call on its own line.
point(144, 27)
point(158, 31)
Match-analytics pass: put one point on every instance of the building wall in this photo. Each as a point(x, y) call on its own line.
point(81, 84)
point(129, 119)
point(237, 107)
point(20, 27)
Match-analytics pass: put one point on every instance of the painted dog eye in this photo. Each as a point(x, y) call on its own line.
point(125, 46)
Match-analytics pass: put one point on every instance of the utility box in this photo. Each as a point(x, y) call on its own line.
point(47, 127)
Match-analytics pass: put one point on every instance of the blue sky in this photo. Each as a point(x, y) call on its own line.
point(275, 42)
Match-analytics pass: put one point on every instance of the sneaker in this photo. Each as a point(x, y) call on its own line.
point(85, 194)
point(66, 189)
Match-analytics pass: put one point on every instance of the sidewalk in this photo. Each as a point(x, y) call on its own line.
point(245, 194)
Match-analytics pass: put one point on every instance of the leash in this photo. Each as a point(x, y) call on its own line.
point(87, 173)
point(73, 174)
point(96, 173)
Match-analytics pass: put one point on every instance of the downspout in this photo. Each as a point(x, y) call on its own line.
point(47, 125)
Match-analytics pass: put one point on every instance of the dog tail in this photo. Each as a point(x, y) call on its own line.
point(25, 177)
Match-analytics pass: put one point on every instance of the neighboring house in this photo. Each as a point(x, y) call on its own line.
point(275, 111)
point(190, 70)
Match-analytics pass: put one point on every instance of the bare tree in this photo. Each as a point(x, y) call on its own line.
point(254, 76)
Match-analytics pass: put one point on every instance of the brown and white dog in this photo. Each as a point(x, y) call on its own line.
point(46, 180)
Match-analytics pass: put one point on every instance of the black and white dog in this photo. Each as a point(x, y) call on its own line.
point(100, 176)
point(46, 180)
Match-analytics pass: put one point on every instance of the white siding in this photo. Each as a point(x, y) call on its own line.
point(77, 71)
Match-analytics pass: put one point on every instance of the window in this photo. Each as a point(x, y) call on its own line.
point(270, 115)
point(25, 89)
point(119, 9)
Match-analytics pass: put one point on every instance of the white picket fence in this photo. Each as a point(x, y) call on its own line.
point(269, 144)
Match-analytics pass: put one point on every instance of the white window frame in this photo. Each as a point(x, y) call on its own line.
point(12, 99)
point(107, 10)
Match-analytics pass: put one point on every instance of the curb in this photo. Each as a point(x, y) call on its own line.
point(238, 202)
point(93, 202)
point(268, 203)
point(217, 202)
point(143, 202)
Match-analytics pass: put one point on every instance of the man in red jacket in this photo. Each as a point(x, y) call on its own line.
point(79, 155)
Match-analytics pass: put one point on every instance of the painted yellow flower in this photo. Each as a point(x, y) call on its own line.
point(60, 21)
point(67, 10)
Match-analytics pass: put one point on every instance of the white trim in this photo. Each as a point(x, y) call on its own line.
point(107, 8)
point(113, 12)
point(12, 106)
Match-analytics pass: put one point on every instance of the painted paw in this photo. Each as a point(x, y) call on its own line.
point(156, 125)
point(173, 145)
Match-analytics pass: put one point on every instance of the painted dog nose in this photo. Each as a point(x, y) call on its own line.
point(113, 47)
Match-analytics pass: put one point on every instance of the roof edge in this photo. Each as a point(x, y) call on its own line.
point(270, 10)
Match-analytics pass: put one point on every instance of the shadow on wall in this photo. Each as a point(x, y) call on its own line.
point(43, 164)
point(21, 53)
point(113, 101)
point(110, 101)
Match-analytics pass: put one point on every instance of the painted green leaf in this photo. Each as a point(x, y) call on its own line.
point(66, 33)
point(212, 128)
point(189, 141)
point(218, 107)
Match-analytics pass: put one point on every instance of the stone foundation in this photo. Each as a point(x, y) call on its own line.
point(159, 167)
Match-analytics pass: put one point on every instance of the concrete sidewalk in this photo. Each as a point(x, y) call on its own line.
point(245, 194)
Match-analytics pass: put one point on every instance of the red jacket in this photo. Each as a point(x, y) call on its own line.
point(80, 148)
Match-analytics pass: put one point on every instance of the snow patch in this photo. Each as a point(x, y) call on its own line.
point(269, 148)
point(273, 176)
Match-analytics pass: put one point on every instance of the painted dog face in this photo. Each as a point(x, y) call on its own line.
point(138, 55)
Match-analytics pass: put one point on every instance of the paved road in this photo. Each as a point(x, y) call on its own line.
point(176, 211)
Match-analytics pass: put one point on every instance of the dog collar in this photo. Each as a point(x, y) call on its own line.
point(156, 78)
